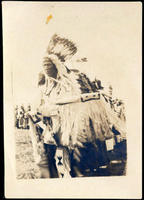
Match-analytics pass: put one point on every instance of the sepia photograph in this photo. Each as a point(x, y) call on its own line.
point(72, 98)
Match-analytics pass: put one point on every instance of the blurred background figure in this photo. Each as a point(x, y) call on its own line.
point(120, 109)
point(16, 116)
point(21, 120)
point(25, 121)
point(21, 117)
point(26, 117)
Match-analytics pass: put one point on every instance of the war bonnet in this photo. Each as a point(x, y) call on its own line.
point(59, 50)
point(61, 47)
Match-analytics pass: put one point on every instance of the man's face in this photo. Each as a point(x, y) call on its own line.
point(47, 67)
point(50, 70)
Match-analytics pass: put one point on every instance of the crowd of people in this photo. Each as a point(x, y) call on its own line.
point(21, 118)
point(117, 105)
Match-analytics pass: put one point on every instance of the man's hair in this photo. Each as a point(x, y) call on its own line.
point(41, 79)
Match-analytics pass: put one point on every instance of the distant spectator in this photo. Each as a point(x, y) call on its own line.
point(16, 116)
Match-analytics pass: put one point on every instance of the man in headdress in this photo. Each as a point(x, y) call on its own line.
point(79, 124)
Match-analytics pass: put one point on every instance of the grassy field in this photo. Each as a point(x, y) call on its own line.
point(27, 169)
point(25, 165)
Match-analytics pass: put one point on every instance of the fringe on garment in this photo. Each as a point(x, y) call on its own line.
point(84, 123)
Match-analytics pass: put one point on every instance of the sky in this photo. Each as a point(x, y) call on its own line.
point(108, 34)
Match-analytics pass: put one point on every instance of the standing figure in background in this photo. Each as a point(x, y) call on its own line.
point(111, 97)
point(25, 121)
point(120, 109)
point(20, 117)
point(16, 116)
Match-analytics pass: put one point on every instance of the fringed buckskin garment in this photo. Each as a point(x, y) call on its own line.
point(81, 128)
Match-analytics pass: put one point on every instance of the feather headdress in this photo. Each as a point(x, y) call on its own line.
point(75, 117)
point(61, 47)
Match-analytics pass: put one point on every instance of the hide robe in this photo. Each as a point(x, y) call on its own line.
point(81, 127)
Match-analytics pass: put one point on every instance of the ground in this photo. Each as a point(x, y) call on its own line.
point(27, 169)
point(25, 165)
